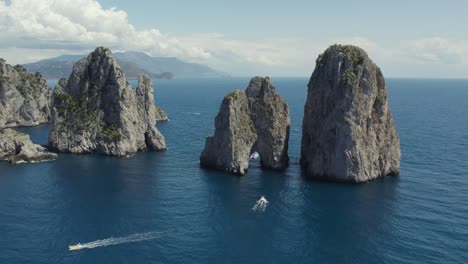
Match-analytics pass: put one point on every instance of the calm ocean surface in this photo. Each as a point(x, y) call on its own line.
point(206, 216)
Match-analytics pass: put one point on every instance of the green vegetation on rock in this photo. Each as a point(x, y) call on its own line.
point(261, 106)
point(348, 75)
point(69, 108)
point(230, 95)
point(111, 133)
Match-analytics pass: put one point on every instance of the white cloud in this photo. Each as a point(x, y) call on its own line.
point(425, 57)
point(60, 24)
point(33, 30)
point(437, 50)
point(272, 52)
point(376, 52)
point(362, 42)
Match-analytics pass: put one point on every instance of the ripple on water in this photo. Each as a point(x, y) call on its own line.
point(419, 217)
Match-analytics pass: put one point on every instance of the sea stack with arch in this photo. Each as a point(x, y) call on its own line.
point(252, 120)
point(348, 133)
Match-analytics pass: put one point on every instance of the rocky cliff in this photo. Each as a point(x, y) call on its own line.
point(348, 131)
point(96, 110)
point(16, 147)
point(161, 115)
point(253, 120)
point(25, 98)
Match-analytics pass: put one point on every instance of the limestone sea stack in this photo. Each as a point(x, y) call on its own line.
point(348, 133)
point(253, 120)
point(16, 147)
point(25, 99)
point(97, 110)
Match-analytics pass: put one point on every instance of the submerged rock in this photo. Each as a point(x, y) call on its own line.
point(25, 98)
point(348, 132)
point(16, 147)
point(96, 110)
point(253, 120)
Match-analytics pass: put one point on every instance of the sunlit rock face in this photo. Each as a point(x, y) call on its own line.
point(348, 132)
point(25, 98)
point(252, 120)
point(16, 147)
point(97, 110)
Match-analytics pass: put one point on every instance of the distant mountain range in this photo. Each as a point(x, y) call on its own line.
point(132, 64)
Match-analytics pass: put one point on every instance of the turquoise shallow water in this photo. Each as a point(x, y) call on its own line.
point(205, 216)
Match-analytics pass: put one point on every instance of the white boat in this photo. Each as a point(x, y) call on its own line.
point(263, 200)
point(75, 247)
point(254, 155)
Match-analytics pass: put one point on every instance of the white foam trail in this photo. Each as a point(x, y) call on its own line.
point(260, 205)
point(121, 240)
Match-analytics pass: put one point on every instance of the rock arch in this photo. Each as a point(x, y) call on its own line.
point(254, 119)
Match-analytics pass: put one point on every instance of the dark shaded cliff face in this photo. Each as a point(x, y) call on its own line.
point(25, 98)
point(348, 131)
point(96, 110)
point(255, 119)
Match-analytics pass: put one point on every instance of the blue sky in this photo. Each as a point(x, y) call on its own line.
point(384, 20)
point(244, 38)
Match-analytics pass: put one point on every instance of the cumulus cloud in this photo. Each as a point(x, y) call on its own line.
point(33, 30)
point(375, 51)
point(362, 42)
point(59, 24)
point(437, 50)
point(425, 57)
point(270, 52)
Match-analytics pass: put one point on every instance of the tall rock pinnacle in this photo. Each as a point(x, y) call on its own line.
point(348, 132)
point(96, 110)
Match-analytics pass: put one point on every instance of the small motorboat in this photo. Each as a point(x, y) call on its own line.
point(263, 200)
point(254, 155)
point(75, 247)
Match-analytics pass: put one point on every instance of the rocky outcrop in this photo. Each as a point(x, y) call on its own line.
point(161, 115)
point(96, 110)
point(16, 147)
point(348, 132)
point(25, 98)
point(253, 120)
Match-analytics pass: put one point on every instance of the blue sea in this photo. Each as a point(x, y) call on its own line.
point(202, 216)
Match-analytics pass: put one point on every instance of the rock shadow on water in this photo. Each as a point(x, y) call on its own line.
point(351, 222)
point(336, 180)
point(105, 186)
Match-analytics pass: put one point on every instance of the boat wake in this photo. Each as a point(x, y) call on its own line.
point(260, 205)
point(119, 240)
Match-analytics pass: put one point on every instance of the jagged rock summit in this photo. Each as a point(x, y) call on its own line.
point(25, 98)
point(348, 132)
point(16, 147)
point(253, 120)
point(97, 110)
